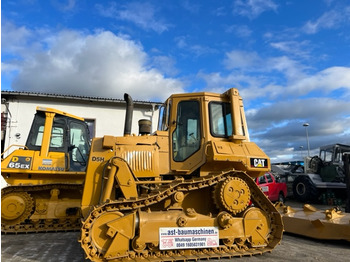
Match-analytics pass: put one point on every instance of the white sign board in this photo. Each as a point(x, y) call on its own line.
point(188, 237)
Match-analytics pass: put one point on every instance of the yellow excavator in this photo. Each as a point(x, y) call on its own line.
point(46, 175)
point(184, 192)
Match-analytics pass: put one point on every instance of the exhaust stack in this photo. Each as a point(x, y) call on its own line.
point(128, 115)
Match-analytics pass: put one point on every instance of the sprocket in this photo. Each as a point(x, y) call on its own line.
point(232, 195)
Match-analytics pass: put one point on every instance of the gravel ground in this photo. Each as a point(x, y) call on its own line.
point(64, 247)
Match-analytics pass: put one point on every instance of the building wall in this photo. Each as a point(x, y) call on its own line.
point(109, 116)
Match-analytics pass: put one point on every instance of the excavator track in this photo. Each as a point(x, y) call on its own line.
point(21, 209)
point(98, 235)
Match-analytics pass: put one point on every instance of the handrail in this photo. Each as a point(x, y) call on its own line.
point(25, 147)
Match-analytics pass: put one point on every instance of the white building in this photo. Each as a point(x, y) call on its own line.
point(105, 116)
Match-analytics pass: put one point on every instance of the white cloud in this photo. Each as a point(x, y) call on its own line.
point(67, 5)
point(280, 124)
point(241, 59)
point(328, 20)
point(253, 8)
point(166, 64)
point(196, 49)
point(190, 6)
point(100, 64)
point(239, 30)
point(294, 48)
point(16, 37)
point(142, 14)
point(258, 76)
point(325, 81)
point(252, 62)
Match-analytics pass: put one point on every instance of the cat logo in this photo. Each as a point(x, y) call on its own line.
point(258, 162)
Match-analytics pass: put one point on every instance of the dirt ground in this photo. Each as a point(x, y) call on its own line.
point(64, 247)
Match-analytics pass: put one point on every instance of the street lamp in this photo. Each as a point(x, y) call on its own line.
point(307, 138)
point(301, 152)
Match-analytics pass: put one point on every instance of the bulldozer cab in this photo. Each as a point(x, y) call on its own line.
point(198, 123)
point(64, 136)
point(57, 146)
point(45, 177)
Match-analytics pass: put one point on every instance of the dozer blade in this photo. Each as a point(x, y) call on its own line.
point(312, 222)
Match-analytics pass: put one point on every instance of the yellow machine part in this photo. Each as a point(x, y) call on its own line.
point(44, 191)
point(184, 192)
point(315, 223)
point(231, 205)
point(40, 208)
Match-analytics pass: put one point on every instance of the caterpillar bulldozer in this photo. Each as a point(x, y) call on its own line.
point(184, 192)
point(46, 175)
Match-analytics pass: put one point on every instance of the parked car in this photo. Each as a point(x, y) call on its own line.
point(287, 172)
point(273, 187)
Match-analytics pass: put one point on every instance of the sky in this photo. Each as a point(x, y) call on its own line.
point(290, 60)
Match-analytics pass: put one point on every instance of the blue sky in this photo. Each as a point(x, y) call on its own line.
point(290, 60)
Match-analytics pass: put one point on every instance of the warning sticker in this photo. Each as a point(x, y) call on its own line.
point(188, 237)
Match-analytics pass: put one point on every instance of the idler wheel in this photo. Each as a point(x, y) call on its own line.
point(16, 207)
point(232, 195)
point(257, 226)
point(99, 229)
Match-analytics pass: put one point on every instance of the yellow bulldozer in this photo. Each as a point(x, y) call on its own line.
point(46, 175)
point(183, 192)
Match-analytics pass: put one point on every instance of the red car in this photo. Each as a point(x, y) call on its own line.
point(272, 187)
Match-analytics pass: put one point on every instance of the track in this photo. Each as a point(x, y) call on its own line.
point(101, 247)
point(33, 209)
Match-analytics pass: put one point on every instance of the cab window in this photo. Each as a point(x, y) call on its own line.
point(57, 137)
point(79, 142)
point(220, 119)
point(164, 117)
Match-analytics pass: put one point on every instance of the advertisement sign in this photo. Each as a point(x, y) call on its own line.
point(188, 237)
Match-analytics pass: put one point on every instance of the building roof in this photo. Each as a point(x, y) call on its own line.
point(73, 97)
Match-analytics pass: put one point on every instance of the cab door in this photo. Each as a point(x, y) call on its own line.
point(186, 135)
point(47, 139)
point(78, 145)
point(60, 143)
